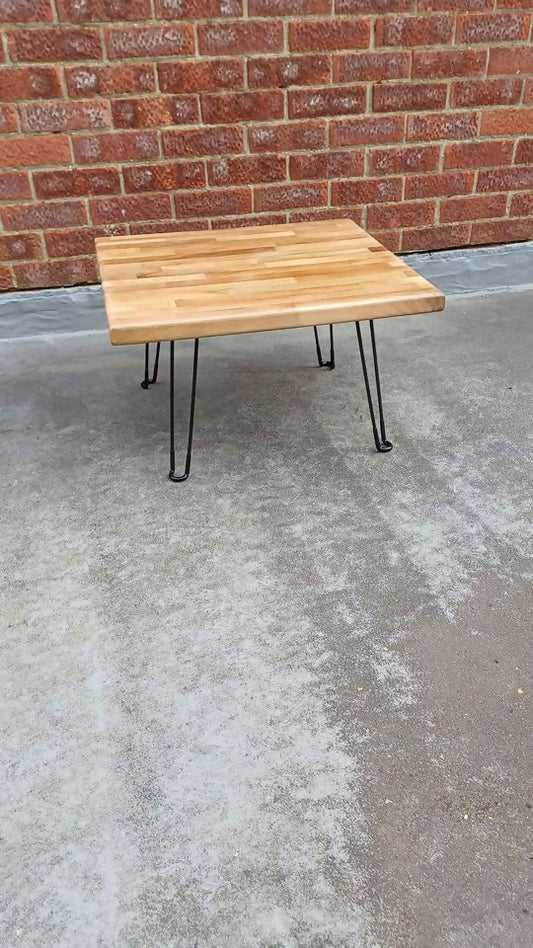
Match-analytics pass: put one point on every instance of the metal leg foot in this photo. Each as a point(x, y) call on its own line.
point(380, 438)
point(147, 381)
point(172, 473)
point(323, 363)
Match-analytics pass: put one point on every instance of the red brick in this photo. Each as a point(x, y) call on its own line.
point(507, 122)
point(117, 146)
point(30, 82)
point(371, 67)
point(515, 4)
point(528, 91)
point(250, 169)
point(167, 227)
point(214, 203)
point(224, 140)
point(6, 278)
point(64, 116)
point(254, 220)
point(14, 185)
point(522, 206)
point(524, 151)
point(516, 178)
point(41, 215)
point(229, 107)
point(279, 198)
point(290, 136)
point(289, 7)
point(54, 45)
point(164, 177)
point(21, 247)
point(330, 164)
point(78, 243)
point(197, 9)
point(317, 35)
point(84, 81)
point(282, 71)
point(88, 11)
point(336, 100)
point(472, 208)
point(446, 125)
point(155, 111)
point(410, 31)
point(327, 214)
point(370, 130)
point(195, 75)
point(26, 11)
point(366, 191)
point(119, 210)
point(8, 119)
point(448, 63)
point(509, 60)
point(76, 182)
point(476, 92)
point(409, 96)
point(439, 185)
point(221, 39)
point(501, 232)
point(478, 154)
point(391, 239)
point(43, 150)
point(149, 41)
point(55, 273)
point(492, 27)
point(454, 5)
point(405, 159)
point(401, 214)
point(435, 238)
point(375, 6)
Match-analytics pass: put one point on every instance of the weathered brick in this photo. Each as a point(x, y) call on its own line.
point(117, 210)
point(289, 7)
point(400, 214)
point(148, 41)
point(406, 159)
point(91, 11)
point(26, 11)
point(229, 107)
point(522, 206)
point(62, 116)
point(225, 38)
point(41, 215)
point(115, 146)
point(445, 125)
point(477, 92)
point(8, 119)
point(281, 197)
point(472, 208)
point(165, 176)
point(221, 140)
point(435, 238)
point(375, 6)
point(515, 178)
point(29, 82)
point(253, 220)
point(409, 96)
point(6, 278)
point(167, 227)
point(44, 150)
point(448, 63)
point(492, 27)
point(528, 91)
point(410, 31)
point(78, 243)
point(196, 75)
point(282, 71)
point(368, 131)
point(334, 100)
point(507, 122)
point(21, 247)
point(197, 9)
point(391, 239)
point(439, 185)
point(327, 214)
point(214, 203)
point(14, 185)
point(155, 111)
point(85, 81)
point(524, 151)
point(478, 154)
point(367, 191)
point(290, 136)
point(371, 67)
point(54, 45)
point(324, 35)
point(510, 60)
point(330, 164)
point(77, 182)
point(249, 169)
point(501, 232)
point(69, 272)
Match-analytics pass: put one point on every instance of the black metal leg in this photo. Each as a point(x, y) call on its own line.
point(172, 473)
point(330, 363)
point(147, 381)
point(380, 438)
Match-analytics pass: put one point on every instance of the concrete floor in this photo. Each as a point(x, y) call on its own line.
point(284, 705)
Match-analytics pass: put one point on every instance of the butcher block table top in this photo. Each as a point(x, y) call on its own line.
point(187, 285)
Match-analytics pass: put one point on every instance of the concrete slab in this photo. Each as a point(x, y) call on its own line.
point(287, 703)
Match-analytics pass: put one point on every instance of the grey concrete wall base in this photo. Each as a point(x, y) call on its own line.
point(455, 272)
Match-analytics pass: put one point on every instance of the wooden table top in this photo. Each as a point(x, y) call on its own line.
point(186, 285)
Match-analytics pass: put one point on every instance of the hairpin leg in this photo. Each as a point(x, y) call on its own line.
point(380, 439)
point(330, 363)
point(172, 473)
point(147, 381)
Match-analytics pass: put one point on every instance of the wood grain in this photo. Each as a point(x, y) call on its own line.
point(185, 285)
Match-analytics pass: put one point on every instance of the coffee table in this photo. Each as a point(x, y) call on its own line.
point(189, 285)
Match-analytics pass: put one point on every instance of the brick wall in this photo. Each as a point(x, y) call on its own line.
point(413, 117)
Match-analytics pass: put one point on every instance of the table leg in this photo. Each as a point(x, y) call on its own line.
point(380, 438)
point(172, 473)
point(147, 381)
point(330, 363)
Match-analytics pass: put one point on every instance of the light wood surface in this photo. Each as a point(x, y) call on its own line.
point(187, 285)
